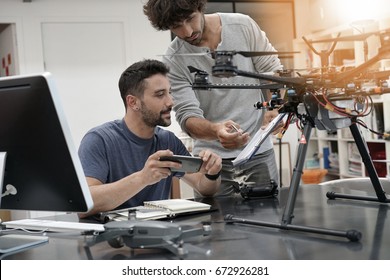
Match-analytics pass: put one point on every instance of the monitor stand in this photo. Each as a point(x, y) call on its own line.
point(14, 242)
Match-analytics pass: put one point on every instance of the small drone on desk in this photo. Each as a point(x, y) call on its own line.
point(150, 234)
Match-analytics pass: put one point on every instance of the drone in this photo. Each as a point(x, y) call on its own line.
point(313, 97)
point(327, 100)
point(150, 234)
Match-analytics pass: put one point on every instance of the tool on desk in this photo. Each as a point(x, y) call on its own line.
point(267, 189)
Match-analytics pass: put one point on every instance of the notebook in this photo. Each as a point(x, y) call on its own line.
point(250, 150)
point(159, 209)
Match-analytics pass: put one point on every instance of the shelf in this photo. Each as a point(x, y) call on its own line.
point(344, 152)
point(377, 118)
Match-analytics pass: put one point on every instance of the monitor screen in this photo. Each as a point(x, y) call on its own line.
point(41, 171)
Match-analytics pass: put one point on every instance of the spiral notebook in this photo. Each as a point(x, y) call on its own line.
point(159, 209)
point(177, 206)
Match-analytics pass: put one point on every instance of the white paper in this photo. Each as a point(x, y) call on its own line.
point(252, 147)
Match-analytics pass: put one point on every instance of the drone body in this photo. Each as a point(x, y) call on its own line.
point(150, 234)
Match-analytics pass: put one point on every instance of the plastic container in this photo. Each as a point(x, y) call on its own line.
point(312, 163)
point(313, 176)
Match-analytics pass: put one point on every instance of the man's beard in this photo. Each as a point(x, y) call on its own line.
point(198, 40)
point(152, 119)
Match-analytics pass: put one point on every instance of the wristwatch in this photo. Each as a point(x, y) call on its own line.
point(213, 177)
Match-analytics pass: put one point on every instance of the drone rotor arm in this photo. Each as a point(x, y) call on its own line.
point(298, 81)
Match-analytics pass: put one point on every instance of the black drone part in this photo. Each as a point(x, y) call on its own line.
point(150, 234)
point(224, 66)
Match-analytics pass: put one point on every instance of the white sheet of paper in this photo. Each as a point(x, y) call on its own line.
point(252, 147)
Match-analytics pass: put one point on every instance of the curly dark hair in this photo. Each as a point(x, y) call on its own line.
point(132, 80)
point(163, 14)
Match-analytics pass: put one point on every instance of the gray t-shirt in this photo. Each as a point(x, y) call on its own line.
point(111, 152)
point(239, 33)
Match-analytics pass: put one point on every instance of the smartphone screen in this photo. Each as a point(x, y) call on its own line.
point(188, 164)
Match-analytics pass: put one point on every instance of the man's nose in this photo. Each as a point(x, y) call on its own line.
point(170, 100)
point(187, 30)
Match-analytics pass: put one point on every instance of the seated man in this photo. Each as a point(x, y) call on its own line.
point(121, 158)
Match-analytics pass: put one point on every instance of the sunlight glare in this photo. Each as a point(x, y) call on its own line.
point(353, 11)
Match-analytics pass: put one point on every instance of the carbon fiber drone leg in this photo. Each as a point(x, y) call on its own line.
point(288, 214)
point(364, 153)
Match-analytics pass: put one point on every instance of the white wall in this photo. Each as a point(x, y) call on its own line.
point(139, 40)
point(80, 89)
point(89, 92)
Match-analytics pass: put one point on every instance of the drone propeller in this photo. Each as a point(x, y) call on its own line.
point(202, 82)
point(243, 53)
point(196, 70)
point(254, 53)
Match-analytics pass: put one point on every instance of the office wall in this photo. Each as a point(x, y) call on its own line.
point(85, 45)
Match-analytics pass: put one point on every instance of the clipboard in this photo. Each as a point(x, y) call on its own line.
point(253, 146)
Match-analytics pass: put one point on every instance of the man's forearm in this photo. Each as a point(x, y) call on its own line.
point(201, 128)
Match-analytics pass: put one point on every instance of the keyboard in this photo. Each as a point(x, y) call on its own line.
point(54, 226)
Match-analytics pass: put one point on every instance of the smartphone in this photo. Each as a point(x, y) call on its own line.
point(188, 164)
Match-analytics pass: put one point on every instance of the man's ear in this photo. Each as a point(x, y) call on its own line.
point(133, 102)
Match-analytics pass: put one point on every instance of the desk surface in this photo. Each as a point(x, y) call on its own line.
point(239, 241)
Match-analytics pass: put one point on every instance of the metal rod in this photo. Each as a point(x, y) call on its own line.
point(352, 235)
point(367, 160)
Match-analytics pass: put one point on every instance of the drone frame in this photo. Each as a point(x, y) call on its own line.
point(224, 68)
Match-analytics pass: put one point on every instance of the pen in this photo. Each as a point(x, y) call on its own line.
point(234, 127)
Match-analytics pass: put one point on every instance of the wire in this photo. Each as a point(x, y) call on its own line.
point(363, 124)
point(25, 230)
point(366, 101)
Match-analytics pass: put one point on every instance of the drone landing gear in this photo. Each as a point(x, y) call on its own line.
point(363, 150)
point(352, 235)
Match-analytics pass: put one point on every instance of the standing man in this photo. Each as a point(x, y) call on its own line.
point(121, 158)
point(210, 117)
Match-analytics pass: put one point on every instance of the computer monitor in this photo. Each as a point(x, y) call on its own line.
point(40, 160)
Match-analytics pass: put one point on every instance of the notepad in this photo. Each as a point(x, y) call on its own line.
point(250, 150)
point(177, 206)
point(160, 209)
